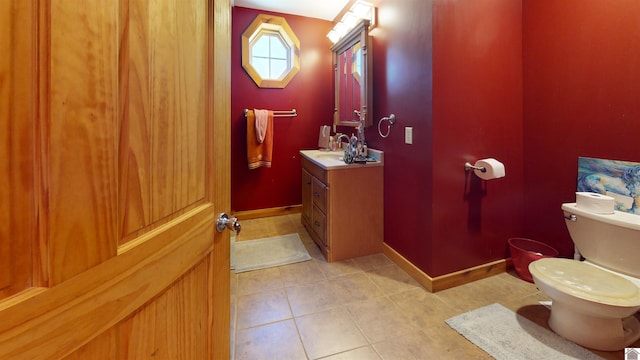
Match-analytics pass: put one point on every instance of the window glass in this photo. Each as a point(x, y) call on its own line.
point(260, 47)
point(262, 67)
point(279, 50)
point(278, 68)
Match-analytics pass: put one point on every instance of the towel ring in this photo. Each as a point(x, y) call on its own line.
point(391, 119)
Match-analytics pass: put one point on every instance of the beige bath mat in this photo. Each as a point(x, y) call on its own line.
point(267, 252)
point(506, 335)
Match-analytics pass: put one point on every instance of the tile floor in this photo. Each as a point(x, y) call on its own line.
point(363, 308)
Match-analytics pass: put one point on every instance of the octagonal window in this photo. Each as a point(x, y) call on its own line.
point(270, 52)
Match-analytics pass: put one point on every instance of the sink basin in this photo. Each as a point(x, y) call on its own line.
point(333, 159)
point(337, 156)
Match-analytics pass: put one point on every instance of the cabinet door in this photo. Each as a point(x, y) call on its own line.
point(320, 226)
point(306, 196)
point(320, 195)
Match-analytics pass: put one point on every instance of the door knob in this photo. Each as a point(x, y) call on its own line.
point(224, 222)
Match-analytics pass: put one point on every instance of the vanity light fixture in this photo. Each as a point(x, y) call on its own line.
point(358, 11)
point(350, 19)
point(339, 30)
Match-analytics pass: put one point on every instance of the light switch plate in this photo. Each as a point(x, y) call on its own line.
point(408, 135)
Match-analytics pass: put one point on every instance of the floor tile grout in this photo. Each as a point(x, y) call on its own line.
point(421, 311)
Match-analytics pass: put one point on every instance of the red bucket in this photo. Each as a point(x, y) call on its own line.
point(524, 251)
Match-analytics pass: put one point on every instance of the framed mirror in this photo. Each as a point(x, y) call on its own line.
point(352, 66)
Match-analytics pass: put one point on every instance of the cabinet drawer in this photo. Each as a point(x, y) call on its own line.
point(314, 170)
point(319, 192)
point(320, 225)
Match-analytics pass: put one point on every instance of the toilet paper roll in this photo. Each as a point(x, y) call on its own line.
point(595, 203)
point(493, 169)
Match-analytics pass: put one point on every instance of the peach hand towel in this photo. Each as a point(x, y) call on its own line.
point(261, 124)
point(259, 154)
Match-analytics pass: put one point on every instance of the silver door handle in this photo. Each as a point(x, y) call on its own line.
point(224, 222)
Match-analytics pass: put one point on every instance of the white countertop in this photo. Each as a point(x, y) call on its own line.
point(333, 159)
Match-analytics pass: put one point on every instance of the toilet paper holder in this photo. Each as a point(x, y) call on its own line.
point(469, 167)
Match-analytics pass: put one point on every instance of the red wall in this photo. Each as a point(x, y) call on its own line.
point(477, 113)
point(402, 66)
point(310, 93)
point(452, 70)
point(581, 98)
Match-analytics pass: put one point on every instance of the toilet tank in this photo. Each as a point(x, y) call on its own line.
point(609, 240)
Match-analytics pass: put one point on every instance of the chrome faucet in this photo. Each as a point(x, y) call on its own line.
point(339, 140)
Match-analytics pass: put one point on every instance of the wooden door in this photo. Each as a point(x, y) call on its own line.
point(114, 166)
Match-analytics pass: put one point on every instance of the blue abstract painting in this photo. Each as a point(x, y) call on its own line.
point(615, 178)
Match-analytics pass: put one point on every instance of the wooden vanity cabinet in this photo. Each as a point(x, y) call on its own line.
point(319, 212)
point(342, 209)
point(307, 205)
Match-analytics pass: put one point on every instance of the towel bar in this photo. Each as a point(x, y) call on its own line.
point(279, 113)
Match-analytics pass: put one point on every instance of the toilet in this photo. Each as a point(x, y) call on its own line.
point(594, 301)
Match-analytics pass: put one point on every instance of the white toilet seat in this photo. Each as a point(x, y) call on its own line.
point(586, 282)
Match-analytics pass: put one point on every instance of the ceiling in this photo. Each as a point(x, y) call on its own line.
point(321, 9)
